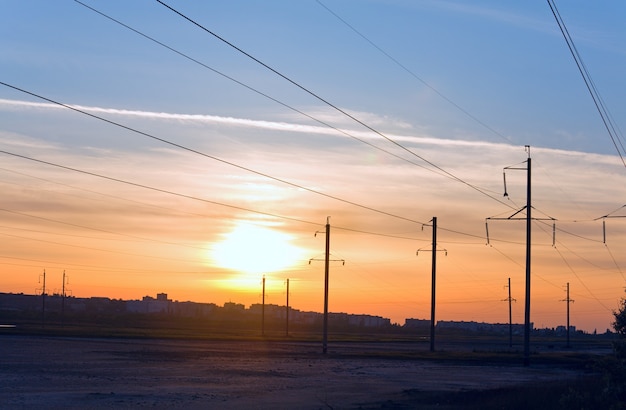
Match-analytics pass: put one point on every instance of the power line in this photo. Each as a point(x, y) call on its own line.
point(194, 151)
point(595, 95)
point(319, 98)
point(412, 74)
point(241, 83)
point(143, 186)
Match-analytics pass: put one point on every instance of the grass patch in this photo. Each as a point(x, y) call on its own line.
point(582, 393)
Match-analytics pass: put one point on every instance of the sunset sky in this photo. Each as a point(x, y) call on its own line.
point(143, 153)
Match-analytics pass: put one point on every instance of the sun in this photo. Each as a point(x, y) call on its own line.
point(252, 249)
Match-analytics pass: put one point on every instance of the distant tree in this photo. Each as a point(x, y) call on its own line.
point(612, 392)
point(620, 319)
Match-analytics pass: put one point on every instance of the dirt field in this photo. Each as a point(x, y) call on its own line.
point(40, 372)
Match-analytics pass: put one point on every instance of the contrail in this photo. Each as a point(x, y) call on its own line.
point(242, 122)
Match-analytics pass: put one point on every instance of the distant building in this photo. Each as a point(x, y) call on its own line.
point(150, 305)
point(416, 323)
point(482, 327)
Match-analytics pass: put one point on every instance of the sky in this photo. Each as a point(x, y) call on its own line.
point(146, 152)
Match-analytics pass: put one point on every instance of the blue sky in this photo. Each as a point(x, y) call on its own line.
point(504, 64)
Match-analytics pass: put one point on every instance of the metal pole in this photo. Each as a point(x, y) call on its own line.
point(63, 302)
point(510, 317)
point(43, 301)
point(528, 239)
point(263, 310)
point(568, 314)
point(432, 296)
point(287, 312)
point(326, 266)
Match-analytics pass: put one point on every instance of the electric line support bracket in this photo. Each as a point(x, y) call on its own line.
point(608, 216)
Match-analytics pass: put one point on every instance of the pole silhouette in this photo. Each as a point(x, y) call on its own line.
point(433, 283)
point(568, 301)
point(63, 301)
point(326, 268)
point(263, 310)
point(287, 311)
point(43, 300)
point(528, 239)
point(327, 261)
point(528, 218)
point(510, 299)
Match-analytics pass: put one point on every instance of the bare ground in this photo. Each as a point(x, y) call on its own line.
point(44, 372)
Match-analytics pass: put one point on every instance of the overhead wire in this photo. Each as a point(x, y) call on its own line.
point(438, 170)
point(593, 91)
point(412, 73)
point(328, 103)
point(212, 157)
point(250, 88)
point(195, 198)
point(246, 169)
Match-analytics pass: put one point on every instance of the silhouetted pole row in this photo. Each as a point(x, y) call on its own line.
point(433, 282)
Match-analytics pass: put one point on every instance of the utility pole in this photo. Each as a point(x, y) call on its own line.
point(263, 310)
point(327, 261)
point(510, 315)
point(568, 301)
point(63, 301)
point(326, 268)
point(43, 300)
point(287, 311)
point(433, 282)
point(527, 295)
point(528, 220)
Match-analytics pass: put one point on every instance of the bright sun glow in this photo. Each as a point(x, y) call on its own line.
point(253, 249)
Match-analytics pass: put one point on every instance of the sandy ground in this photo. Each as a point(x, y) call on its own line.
point(40, 372)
